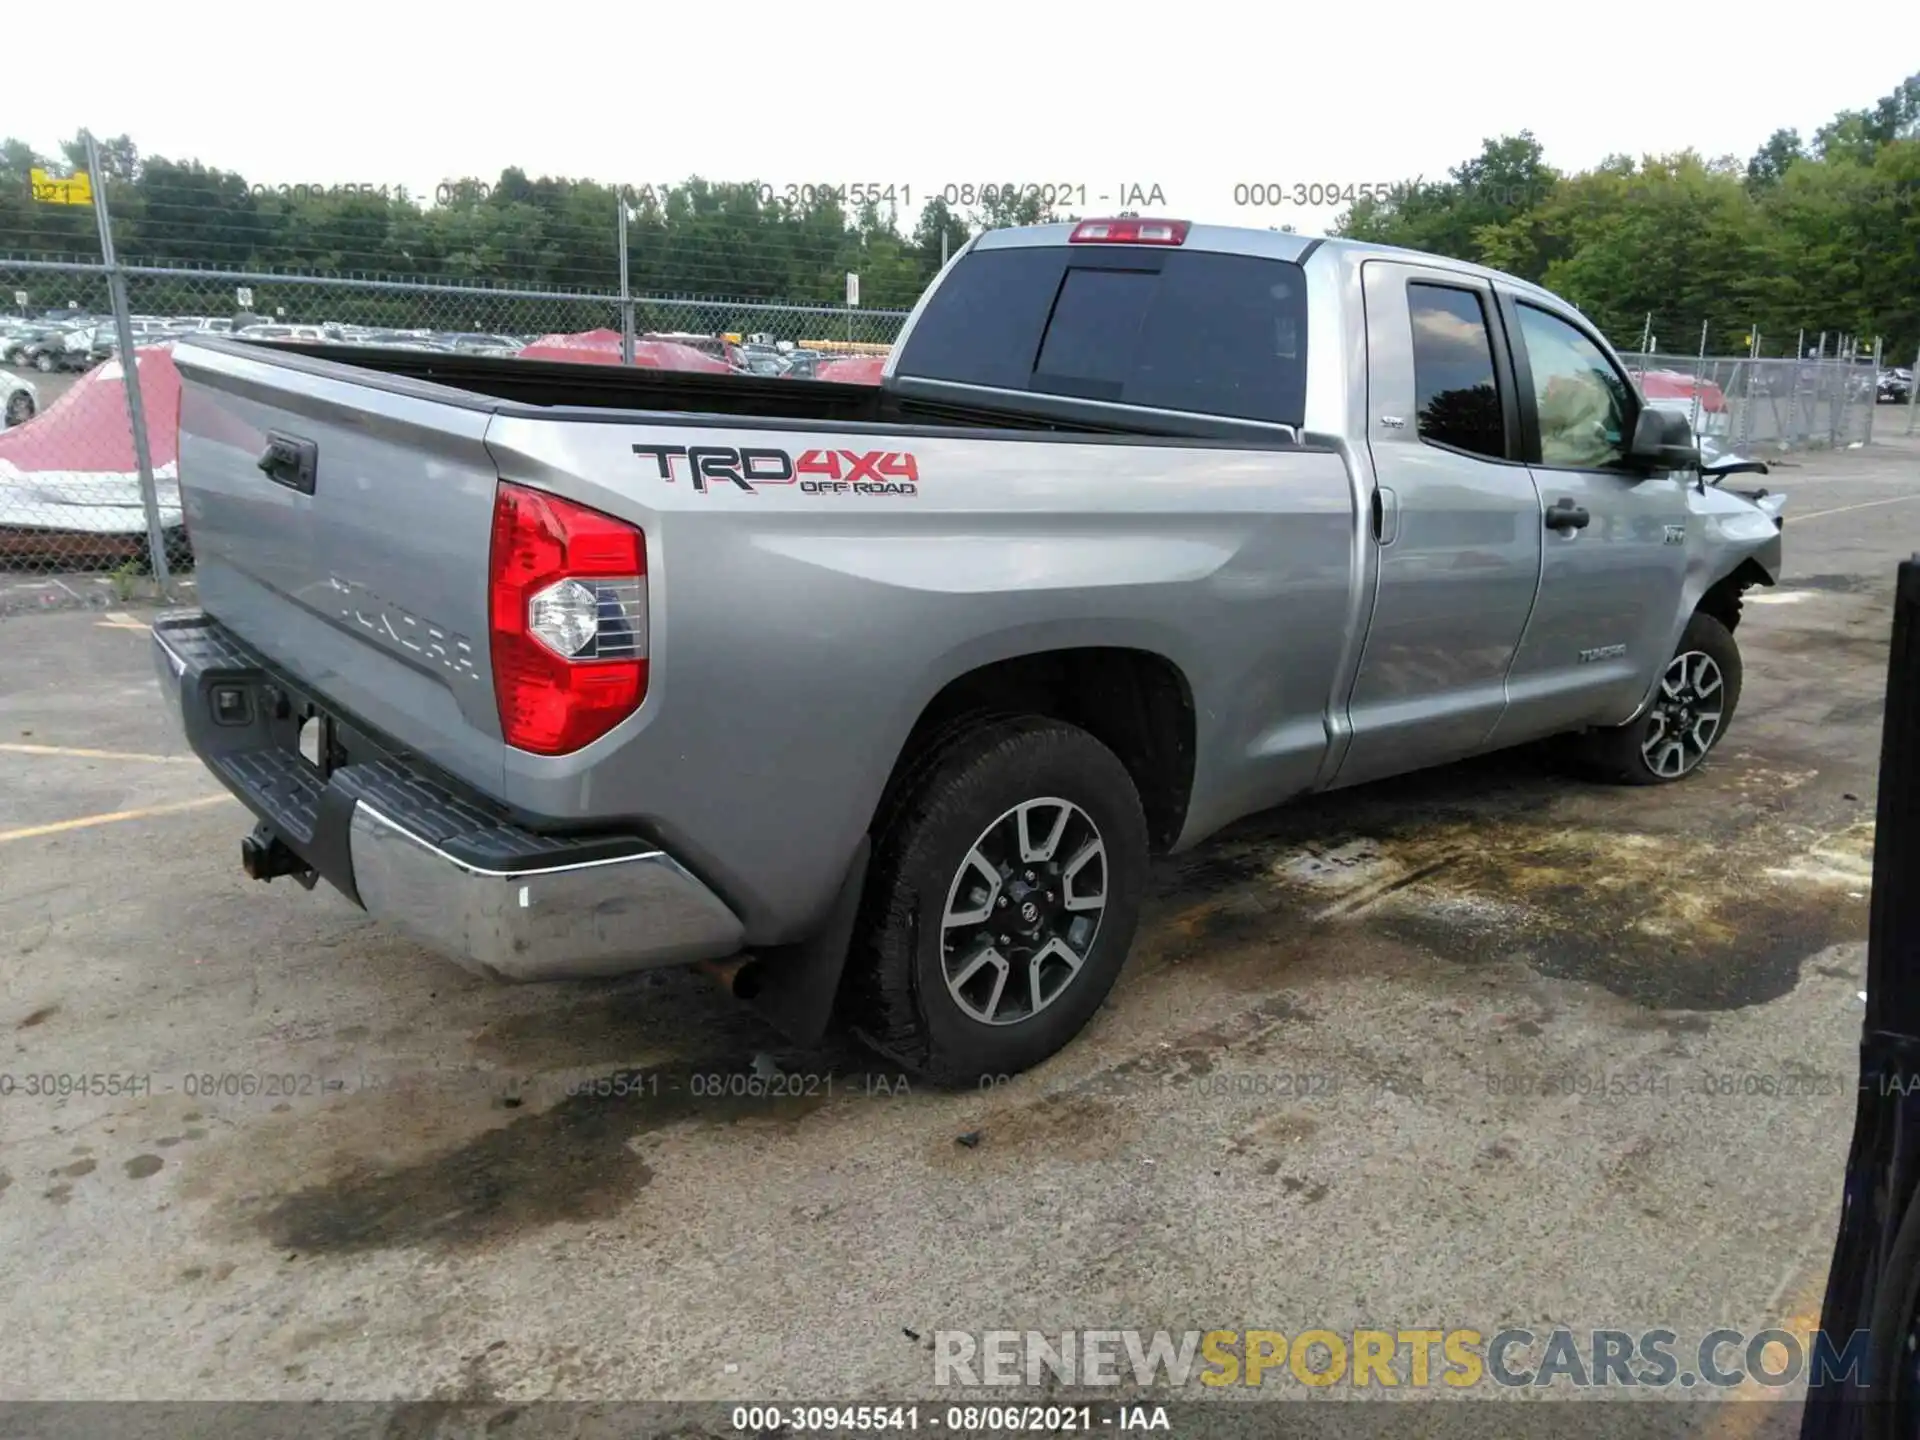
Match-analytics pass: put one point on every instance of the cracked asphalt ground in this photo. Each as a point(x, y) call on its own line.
point(1480, 1048)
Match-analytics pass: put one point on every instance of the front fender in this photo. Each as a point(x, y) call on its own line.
point(1732, 538)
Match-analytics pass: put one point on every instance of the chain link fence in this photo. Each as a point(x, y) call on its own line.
point(1742, 403)
point(72, 519)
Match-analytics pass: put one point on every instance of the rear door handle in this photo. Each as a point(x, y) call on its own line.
point(1564, 515)
point(290, 461)
point(1386, 515)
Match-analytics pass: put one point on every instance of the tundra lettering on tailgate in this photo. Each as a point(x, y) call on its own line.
point(447, 648)
point(817, 472)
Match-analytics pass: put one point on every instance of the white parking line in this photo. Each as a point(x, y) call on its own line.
point(80, 754)
point(1843, 509)
point(60, 827)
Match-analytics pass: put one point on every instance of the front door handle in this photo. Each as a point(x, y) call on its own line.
point(1563, 515)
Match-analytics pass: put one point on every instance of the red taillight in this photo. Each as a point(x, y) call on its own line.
point(568, 613)
point(1129, 232)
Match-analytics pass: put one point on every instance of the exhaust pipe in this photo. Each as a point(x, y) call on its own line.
point(739, 976)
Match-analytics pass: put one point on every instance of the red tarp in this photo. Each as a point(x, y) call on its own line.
point(72, 466)
point(857, 370)
point(1672, 385)
point(602, 347)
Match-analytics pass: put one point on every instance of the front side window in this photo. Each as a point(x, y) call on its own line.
point(1456, 392)
point(1583, 401)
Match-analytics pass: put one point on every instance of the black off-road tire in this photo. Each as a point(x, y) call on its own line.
point(896, 999)
point(1619, 756)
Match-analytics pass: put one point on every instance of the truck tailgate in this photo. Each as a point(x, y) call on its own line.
point(343, 529)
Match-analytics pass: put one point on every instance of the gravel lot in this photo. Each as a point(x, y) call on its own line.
point(1340, 1083)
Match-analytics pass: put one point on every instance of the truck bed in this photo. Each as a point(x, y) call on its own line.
point(906, 404)
point(563, 385)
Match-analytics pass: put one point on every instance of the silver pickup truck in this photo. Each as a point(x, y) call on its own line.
point(890, 694)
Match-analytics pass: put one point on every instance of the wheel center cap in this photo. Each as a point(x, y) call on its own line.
point(1029, 908)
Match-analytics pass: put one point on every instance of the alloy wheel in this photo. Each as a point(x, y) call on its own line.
point(1023, 911)
point(1686, 715)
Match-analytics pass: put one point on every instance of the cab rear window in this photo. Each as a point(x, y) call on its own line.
point(1169, 329)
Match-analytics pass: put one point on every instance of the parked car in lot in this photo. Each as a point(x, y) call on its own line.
point(65, 347)
point(19, 400)
point(1895, 387)
point(758, 360)
point(311, 334)
point(103, 341)
point(13, 335)
point(1151, 526)
point(470, 342)
point(23, 345)
point(88, 347)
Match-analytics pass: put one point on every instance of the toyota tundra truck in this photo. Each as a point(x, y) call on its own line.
point(886, 696)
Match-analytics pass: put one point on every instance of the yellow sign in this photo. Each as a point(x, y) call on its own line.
point(62, 190)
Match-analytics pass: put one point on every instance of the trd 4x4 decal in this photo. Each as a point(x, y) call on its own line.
point(817, 472)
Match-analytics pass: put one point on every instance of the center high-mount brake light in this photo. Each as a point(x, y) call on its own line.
point(1129, 232)
point(568, 614)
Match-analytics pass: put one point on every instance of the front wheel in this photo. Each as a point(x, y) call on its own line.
point(1692, 706)
point(43, 362)
point(1002, 903)
point(19, 408)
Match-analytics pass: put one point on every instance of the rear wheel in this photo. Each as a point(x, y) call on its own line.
point(19, 408)
point(1004, 897)
point(1691, 709)
point(43, 362)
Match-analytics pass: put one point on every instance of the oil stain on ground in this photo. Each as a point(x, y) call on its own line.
point(1101, 1115)
point(1708, 895)
point(574, 1161)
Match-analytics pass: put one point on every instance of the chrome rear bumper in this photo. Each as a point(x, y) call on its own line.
point(459, 878)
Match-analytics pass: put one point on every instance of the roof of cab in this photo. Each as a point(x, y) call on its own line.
point(1271, 244)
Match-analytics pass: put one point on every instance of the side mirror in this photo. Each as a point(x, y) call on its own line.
point(1663, 440)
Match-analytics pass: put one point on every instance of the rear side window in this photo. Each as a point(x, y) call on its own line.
point(983, 326)
point(1457, 394)
point(1181, 330)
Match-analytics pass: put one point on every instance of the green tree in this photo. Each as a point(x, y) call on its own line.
point(1820, 233)
point(939, 232)
point(1856, 134)
point(1771, 160)
point(1506, 179)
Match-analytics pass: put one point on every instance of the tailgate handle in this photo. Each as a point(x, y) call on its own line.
point(290, 461)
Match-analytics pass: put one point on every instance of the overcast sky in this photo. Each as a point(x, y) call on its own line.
point(1192, 97)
